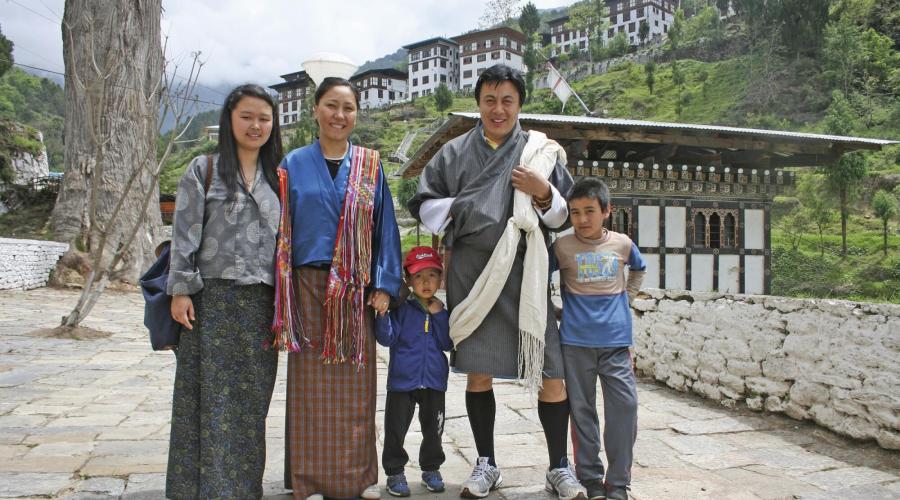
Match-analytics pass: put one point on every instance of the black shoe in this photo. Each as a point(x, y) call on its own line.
point(617, 493)
point(595, 489)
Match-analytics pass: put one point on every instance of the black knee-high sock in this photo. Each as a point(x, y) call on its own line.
point(555, 421)
point(482, 410)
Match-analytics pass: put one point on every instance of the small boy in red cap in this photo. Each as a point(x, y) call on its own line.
point(418, 333)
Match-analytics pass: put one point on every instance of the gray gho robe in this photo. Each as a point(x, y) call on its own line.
point(480, 178)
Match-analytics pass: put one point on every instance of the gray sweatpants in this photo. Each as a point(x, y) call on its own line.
point(613, 366)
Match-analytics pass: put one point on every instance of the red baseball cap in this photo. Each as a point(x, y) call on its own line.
point(419, 258)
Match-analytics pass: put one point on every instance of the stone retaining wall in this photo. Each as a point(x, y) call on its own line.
point(26, 264)
point(833, 362)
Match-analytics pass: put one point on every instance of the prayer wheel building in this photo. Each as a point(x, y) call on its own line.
point(696, 199)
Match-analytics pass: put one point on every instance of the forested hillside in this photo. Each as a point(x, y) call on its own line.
point(38, 103)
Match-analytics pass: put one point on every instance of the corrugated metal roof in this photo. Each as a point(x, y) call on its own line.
point(619, 122)
point(819, 148)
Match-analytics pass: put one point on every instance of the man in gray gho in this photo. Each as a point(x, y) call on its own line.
point(467, 191)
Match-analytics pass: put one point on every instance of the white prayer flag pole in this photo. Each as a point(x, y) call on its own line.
point(561, 88)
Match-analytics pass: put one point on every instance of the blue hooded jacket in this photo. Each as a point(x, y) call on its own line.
point(417, 340)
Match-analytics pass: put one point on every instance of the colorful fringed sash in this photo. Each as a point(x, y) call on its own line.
point(351, 264)
point(286, 325)
point(349, 274)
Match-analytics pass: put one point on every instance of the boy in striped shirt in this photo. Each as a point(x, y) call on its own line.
point(595, 333)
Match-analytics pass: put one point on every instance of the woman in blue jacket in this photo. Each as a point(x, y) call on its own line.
point(418, 333)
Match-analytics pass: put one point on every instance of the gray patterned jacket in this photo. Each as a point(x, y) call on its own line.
point(213, 237)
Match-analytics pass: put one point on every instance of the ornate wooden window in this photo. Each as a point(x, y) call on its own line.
point(715, 231)
point(729, 231)
point(619, 221)
point(714, 228)
point(699, 230)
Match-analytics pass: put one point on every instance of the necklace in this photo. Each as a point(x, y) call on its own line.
point(248, 183)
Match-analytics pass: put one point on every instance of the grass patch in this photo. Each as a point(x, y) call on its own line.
point(30, 222)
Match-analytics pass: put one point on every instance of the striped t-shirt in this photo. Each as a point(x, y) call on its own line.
point(595, 302)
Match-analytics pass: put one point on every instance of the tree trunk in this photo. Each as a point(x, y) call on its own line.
point(844, 214)
point(114, 61)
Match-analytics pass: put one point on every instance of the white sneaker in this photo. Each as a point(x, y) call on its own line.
point(563, 482)
point(315, 496)
point(373, 492)
point(485, 477)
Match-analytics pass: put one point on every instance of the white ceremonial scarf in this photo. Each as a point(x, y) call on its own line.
point(540, 155)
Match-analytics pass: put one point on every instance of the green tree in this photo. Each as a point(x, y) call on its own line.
point(6, 53)
point(802, 23)
point(676, 32)
point(818, 207)
point(443, 99)
point(406, 189)
point(650, 69)
point(704, 26)
point(884, 17)
point(692, 7)
point(677, 75)
point(885, 207)
point(533, 53)
point(530, 23)
point(529, 20)
point(759, 16)
point(619, 45)
point(843, 46)
point(644, 31)
point(591, 17)
point(703, 78)
point(845, 175)
point(794, 225)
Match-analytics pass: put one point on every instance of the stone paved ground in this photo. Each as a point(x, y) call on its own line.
point(89, 420)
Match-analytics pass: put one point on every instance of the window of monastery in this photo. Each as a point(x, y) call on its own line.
point(715, 228)
point(619, 221)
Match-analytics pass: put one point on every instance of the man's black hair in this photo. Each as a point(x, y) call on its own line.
point(498, 74)
point(591, 188)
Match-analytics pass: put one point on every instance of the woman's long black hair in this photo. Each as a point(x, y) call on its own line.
point(269, 153)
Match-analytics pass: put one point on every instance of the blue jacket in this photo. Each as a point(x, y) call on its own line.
point(417, 357)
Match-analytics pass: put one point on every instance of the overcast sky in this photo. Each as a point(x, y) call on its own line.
point(257, 40)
